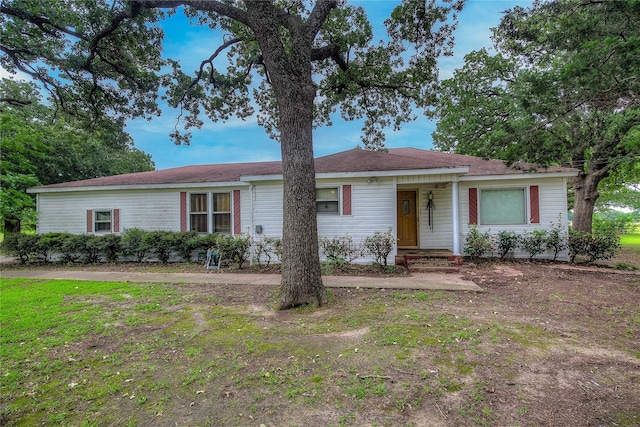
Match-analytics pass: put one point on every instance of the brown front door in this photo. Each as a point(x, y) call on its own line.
point(407, 219)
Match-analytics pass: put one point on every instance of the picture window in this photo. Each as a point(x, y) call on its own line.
point(503, 206)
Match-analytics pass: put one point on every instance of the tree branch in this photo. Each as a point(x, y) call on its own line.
point(131, 12)
point(290, 22)
point(16, 102)
point(329, 51)
point(318, 16)
point(33, 73)
point(218, 7)
point(210, 62)
point(39, 21)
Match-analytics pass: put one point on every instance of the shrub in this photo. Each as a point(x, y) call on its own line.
point(233, 248)
point(110, 246)
point(578, 244)
point(207, 241)
point(507, 241)
point(73, 248)
point(202, 243)
point(92, 248)
point(277, 248)
point(133, 243)
point(50, 243)
point(534, 243)
point(477, 244)
point(160, 243)
point(380, 246)
point(268, 248)
point(328, 267)
point(21, 246)
point(340, 250)
point(556, 240)
point(601, 244)
point(185, 243)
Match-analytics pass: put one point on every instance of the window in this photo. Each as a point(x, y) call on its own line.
point(221, 212)
point(503, 207)
point(215, 217)
point(327, 201)
point(102, 222)
point(199, 208)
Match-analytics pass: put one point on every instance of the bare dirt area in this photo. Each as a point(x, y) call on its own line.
point(586, 368)
point(544, 345)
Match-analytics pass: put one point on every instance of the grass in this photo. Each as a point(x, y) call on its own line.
point(75, 351)
point(42, 322)
point(103, 353)
point(630, 240)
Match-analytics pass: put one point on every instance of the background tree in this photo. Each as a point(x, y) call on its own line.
point(310, 58)
point(621, 189)
point(17, 173)
point(40, 148)
point(563, 89)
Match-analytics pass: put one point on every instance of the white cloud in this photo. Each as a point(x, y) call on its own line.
point(19, 75)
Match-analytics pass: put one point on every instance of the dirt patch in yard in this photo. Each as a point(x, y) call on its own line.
point(544, 345)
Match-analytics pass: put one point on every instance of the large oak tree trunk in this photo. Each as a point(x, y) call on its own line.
point(301, 277)
point(289, 71)
point(585, 188)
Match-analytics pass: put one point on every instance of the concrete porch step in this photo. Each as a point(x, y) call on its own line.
point(433, 269)
point(428, 264)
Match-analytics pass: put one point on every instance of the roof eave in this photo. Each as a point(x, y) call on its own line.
point(365, 174)
point(567, 174)
point(168, 186)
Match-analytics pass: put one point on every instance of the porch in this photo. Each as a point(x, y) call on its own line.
point(428, 222)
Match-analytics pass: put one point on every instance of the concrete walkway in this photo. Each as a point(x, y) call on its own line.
point(439, 281)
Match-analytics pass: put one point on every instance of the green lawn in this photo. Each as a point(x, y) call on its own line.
point(88, 353)
point(630, 240)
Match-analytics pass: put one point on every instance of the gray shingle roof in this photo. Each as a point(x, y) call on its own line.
point(477, 165)
point(354, 160)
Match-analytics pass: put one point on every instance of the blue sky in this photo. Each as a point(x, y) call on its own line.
point(240, 141)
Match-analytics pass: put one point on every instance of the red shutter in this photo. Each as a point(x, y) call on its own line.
point(534, 201)
point(183, 211)
point(116, 220)
point(473, 206)
point(237, 223)
point(89, 221)
point(346, 200)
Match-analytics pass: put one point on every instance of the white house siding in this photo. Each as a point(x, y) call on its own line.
point(146, 209)
point(553, 207)
point(150, 210)
point(245, 210)
point(441, 237)
point(266, 208)
point(372, 208)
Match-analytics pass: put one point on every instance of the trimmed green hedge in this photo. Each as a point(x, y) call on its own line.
point(138, 245)
point(602, 244)
point(135, 244)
